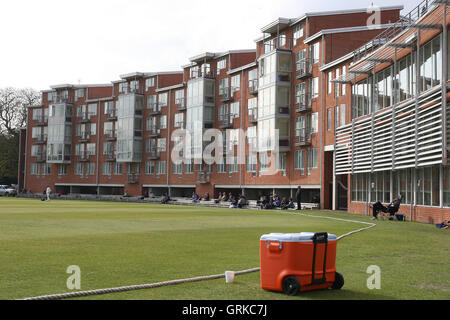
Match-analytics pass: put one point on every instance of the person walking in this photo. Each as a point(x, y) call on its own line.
point(48, 191)
point(298, 197)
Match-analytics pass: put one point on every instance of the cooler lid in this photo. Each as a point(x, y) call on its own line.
point(294, 237)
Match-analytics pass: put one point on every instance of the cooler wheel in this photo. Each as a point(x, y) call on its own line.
point(338, 281)
point(291, 286)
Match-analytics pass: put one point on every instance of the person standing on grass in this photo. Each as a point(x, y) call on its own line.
point(298, 197)
point(48, 191)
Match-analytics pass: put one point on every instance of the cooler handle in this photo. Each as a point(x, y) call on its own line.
point(280, 244)
point(319, 238)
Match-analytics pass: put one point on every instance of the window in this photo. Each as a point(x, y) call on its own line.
point(221, 64)
point(236, 83)
point(118, 168)
point(163, 122)
point(281, 162)
point(314, 53)
point(298, 32)
point(161, 168)
point(344, 72)
point(78, 169)
point(194, 72)
point(162, 99)
point(221, 166)
point(329, 115)
point(109, 107)
point(312, 159)
point(150, 82)
point(79, 93)
point(35, 151)
point(106, 168)
point(336, 117)
point(299, 161)
point(162, 144)
point(92, 109)
point(35, 169)
point(149, 167)
point(234, 110)
point(223, 86)
point(300, 94)
point(90, 148)
point(233, 164)
point(179, 120)
point(36, 132)
point(342, 115)
point(315, 122)
point(177, 168)
point(189, 167)
point(337, 90)
point(108, 148)
point(90, 169)
point(330, 84)
point(314, 87)
point(37, 114)
point(179, 97)
point(251, 163)
point(62, 169)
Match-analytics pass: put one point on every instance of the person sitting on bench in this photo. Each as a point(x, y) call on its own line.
point(392, 208)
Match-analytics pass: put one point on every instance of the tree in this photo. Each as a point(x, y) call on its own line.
point(13, 115)
point(13, 108)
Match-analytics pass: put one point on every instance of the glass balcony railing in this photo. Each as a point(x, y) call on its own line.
point(253, 87)
point(302, 137)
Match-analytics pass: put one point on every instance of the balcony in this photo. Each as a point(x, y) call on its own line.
point(253, 115)
point(84, 156)
point(252, 144)
point(226, 94)
point(302, 137)
point(203, 177)
point(127, 89)
point(111, 115)
point(180, 125)
point(304, 69)
point(154, 154)
point(208, 73)
point(62, 99)
point(42, 121)
point(41, 139)
point(86, 117)
point(278, 43)
point(85, 136)
point(40, 157)
point(181, 104)
point(154, 108)
point(111, 135)
point(253, 87)
point(226, 121)
point(154, 132)
point(110, 156)
point(133, 178)
point(303, 103)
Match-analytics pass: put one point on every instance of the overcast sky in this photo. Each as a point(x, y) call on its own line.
point(47, 42)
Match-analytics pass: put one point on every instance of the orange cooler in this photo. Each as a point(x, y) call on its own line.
point(294, 263)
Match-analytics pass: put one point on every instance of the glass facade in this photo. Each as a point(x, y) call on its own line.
point(421, 185)
point(396, 84)
point(129, 128)
point(59, 137)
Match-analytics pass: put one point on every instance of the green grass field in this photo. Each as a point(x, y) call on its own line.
point(117, 244)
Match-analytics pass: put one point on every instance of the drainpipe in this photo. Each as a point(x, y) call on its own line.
point(99, 112)
point(242, 145)
point(26, 155)
point(322, 152)
point(168, 141)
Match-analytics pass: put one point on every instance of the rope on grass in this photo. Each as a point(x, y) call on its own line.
point(180, 281)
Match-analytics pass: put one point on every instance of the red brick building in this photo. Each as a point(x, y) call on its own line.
point(291, 96)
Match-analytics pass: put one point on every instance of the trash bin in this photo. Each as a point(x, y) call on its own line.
point(293, 263)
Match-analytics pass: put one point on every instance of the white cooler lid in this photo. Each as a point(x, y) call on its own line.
point(294, 237)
